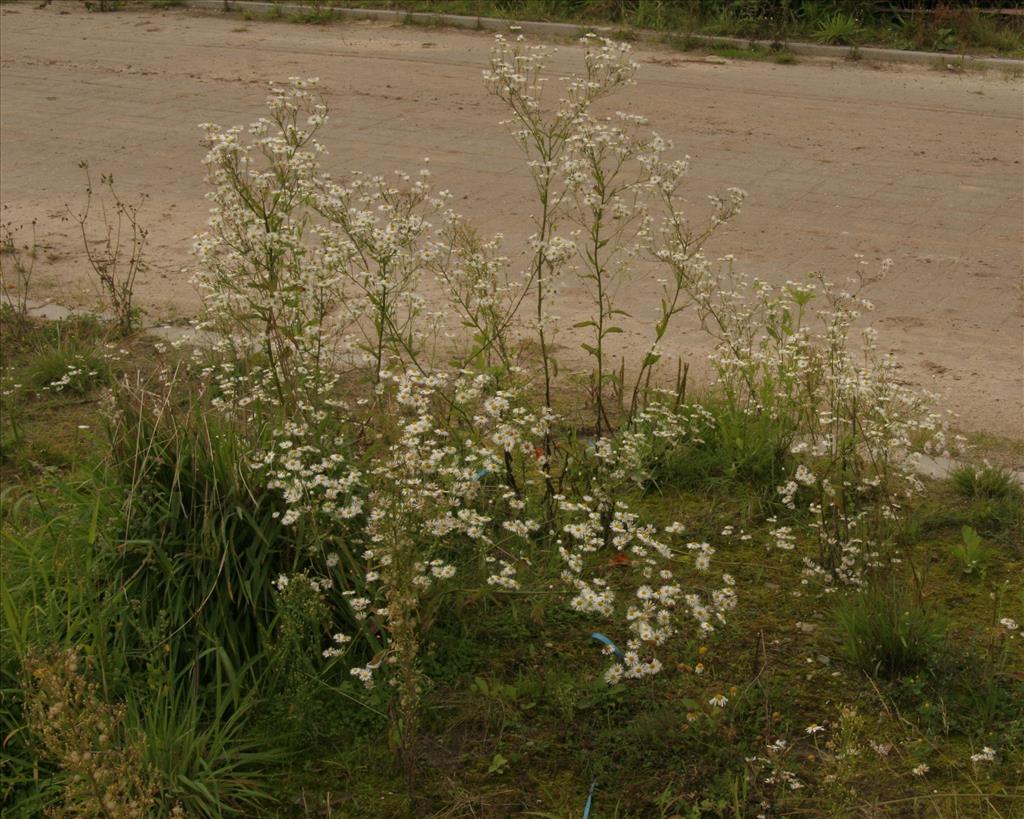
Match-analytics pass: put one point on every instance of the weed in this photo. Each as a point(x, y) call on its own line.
point(17, 262)
point(293, 654)
point(346, 490)
point(119, 257)
point(70, 364)
point(838, 29)
point(886, 632)
point(990, 482)
point(104, 774)
point(969, 554)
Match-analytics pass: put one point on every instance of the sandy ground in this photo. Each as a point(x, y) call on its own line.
point(919, 165)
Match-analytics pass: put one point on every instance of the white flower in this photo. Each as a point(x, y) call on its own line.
point(364, 675)
point(985, 755)
point(804, 476)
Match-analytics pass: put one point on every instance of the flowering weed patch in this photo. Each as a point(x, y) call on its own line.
point(358, 529)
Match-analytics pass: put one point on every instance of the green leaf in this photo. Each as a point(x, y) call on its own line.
point(971, 538)
point(787, 322)
point(801, 297)
point(94, 522)
point(498, 763)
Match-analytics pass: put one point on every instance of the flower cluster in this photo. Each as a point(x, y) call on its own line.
point(451, 485)
point(787, 354)
point(313, 474)
point(600, 534)
point(267, 288)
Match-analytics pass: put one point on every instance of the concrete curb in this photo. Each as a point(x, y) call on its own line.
point(571, 30)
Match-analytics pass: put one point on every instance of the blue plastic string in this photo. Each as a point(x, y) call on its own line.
point(597, 635)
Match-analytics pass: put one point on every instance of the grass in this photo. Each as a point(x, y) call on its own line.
point(732, 449)
point(888, 634)
point(949, 28)
point(990, 482)
point(838, 29)
point(685, 31)
point(517, 718)
point(73, 366)
point(781, 56)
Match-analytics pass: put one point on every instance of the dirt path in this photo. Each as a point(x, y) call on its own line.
point(914, 164)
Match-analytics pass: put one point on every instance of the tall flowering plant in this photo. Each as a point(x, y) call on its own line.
point(605, 191)
point(842, 415)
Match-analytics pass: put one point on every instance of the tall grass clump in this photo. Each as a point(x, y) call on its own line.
point(992, 501)
point(207, 750)
point(154, 632)
point(888, 634)
point(205, 536)
point(991, 482)
point(69, 365)
point(838, 28)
